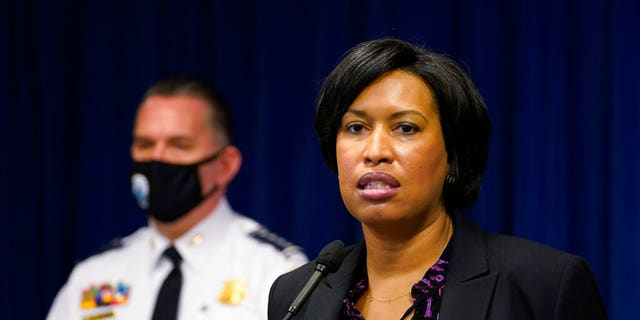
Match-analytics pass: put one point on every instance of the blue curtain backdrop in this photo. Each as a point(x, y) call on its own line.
point(561, 79)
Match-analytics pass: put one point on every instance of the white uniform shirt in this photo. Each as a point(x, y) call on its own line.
point(229, 263)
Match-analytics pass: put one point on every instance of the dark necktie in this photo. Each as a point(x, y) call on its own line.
point(169, 294)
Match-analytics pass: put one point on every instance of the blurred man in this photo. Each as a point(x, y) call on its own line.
point(197, 258)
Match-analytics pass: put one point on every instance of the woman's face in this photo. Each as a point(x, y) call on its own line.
point(391, 155)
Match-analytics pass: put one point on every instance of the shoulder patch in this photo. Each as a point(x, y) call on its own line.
point(281, 244)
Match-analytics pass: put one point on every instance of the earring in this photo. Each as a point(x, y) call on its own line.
point(450, 179)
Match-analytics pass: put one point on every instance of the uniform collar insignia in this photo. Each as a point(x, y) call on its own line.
point(233, 291)
point(196, 239)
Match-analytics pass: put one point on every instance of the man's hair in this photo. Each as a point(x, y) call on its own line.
point(463, 114)
point(187, 85)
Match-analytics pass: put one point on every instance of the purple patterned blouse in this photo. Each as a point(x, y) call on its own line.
point(426, 293)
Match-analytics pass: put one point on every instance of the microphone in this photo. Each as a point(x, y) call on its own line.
point(328, 261)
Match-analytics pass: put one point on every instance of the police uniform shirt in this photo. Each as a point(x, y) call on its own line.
point(229, 263)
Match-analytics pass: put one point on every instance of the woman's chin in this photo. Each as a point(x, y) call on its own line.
point(379, 215)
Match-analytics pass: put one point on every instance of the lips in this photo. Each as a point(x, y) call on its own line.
point(377, 186)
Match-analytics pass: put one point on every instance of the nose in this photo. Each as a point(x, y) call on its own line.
point(378, 148)
point(155, 152)
point(158, 153)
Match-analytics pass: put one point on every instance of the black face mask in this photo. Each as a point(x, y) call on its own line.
point(168, 191)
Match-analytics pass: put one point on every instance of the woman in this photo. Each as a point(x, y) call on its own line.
point(407, 134)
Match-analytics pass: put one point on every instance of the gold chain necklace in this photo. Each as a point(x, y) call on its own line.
point(371, 299)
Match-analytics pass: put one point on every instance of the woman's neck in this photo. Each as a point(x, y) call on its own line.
point(396, 262)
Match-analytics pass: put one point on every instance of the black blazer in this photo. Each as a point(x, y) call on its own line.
point(490, 276)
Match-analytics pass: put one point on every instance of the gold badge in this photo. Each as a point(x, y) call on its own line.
point(233, 291)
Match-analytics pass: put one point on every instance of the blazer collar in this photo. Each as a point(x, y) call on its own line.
point(469, 286)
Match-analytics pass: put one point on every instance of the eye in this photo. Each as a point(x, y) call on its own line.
point(407, 128)
point(142, 144)
point(355, 127)
point(181, 143)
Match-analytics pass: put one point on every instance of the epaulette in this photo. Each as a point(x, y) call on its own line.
point(115, 243)
point(281, 244)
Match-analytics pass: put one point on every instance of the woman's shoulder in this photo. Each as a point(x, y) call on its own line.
point(527, 263)
point(525, 259)
point(519, 258)
point(542, 275)
point(508, 249)
point(518, 248)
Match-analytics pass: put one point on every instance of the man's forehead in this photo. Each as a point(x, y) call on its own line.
point(190, 104)
point(179, 115)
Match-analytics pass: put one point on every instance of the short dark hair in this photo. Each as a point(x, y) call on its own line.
point(191, 86)
point(463, 114)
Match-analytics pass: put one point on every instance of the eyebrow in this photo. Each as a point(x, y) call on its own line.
point(175, 139)
point(171, 138)
point(393, 116)
point(406, 112)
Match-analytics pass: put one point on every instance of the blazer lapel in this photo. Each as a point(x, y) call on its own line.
point(469, 287)
point(326, 300)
